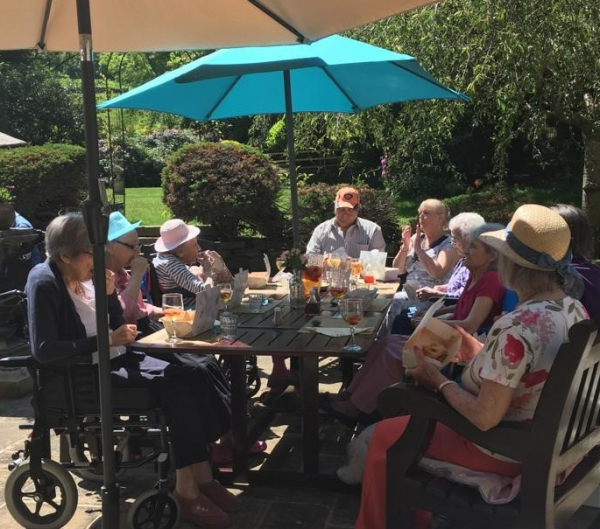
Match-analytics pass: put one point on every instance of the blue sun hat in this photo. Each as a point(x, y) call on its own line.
point(118, 225)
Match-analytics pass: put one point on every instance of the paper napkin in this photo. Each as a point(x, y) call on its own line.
point(206, 310)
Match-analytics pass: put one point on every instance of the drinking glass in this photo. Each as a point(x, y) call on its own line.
point(368, 276)
point(172, 305)
point(229, 324)
point(255, 302)
point(225, 293)
point(355, 270)
point(352, 312)
point(280, 264)
point(338, 286)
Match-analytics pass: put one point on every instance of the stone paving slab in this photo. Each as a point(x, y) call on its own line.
point(263, 507)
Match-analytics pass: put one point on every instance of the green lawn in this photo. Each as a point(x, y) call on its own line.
point(145, 204)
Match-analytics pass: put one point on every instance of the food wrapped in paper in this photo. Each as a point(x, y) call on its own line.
point(440, 342)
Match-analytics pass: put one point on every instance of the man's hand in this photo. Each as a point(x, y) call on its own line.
point(124, 335)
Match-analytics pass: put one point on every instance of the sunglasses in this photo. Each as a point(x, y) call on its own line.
point(132, 247)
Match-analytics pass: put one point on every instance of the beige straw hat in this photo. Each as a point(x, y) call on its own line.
point(534, 232)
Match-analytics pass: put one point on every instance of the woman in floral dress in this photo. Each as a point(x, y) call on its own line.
point(505, 377)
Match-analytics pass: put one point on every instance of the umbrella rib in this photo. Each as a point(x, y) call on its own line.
point(433, 82)
point(41, 42)
point(223, 96)
point(301, 38)
point(354, 104)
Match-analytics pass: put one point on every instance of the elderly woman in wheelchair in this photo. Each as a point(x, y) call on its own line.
point(63, 329)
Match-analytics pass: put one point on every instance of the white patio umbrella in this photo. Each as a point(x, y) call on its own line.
point(153, 25)
point(9, 141)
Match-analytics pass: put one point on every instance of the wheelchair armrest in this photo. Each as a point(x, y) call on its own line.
point(17, 361)
point(507, 439)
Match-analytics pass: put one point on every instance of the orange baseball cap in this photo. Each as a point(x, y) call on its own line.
point(347, 197)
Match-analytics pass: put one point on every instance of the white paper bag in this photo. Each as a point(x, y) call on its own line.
point(240, 283)
point(206, 310)
point(375, 260)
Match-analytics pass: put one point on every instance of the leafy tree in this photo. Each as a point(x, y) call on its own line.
point(37, 104)
point(531, 69)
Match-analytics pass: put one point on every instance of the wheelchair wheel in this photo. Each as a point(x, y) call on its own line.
point(45, 503)
point(153, 510)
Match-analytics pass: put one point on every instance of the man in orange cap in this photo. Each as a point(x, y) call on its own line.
point(346, 230)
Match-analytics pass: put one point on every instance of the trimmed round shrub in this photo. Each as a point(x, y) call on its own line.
point(45, 179)
point(315, 204)
point(231, 186)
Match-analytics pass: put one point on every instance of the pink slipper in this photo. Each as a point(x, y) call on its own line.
point(223, 452)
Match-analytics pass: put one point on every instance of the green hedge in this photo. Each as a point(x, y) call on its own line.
point(44, 179)
point(231, 186)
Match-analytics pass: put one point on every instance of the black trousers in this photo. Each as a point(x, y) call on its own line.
point(196, 400)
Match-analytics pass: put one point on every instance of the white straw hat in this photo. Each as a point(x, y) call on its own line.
point(174, 233)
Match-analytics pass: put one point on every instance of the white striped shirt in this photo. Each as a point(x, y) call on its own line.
point(174, 276)
point(362, 235)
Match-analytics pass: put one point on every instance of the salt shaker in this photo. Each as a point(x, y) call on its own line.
point(277, 317)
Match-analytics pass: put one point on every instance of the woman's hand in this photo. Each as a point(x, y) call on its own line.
point(124, 335)
point(198, 271)
point(470, 346)
point(425, 372)
point(139, 266)
point(110, 281)
point(425, 293)
point(406, 235)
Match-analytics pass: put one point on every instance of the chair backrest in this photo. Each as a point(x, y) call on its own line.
point(566, 425)
point(564, 434)
point(150, 286)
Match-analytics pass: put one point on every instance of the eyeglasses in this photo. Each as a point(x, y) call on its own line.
point(132, 247)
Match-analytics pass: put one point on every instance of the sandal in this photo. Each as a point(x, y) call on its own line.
point(201, 511)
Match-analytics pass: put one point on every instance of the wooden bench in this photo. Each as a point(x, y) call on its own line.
point(565, 429)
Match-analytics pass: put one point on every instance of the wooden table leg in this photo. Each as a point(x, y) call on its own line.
point(238, 414)
point(309, 379)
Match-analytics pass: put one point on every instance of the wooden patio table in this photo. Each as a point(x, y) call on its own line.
point(257, 335)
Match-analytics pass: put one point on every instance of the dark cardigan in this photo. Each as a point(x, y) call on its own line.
point(56, 331)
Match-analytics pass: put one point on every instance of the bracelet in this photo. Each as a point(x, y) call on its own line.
point(444, 384)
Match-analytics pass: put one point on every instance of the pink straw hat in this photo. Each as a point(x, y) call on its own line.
point(174, 233)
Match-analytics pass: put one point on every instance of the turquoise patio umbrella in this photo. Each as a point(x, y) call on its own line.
point(334, 74)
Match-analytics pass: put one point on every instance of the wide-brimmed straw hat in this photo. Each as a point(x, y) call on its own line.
point(118, 225)
point(538, 238)
point(533, 231)
point(174, 233)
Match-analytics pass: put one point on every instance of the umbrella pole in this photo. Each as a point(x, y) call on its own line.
point(289, 128)
point(97, 226)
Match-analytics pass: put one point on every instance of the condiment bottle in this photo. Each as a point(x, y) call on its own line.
point(313, 307)
point(277, 317)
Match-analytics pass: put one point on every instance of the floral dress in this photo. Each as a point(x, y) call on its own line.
point(520, 350)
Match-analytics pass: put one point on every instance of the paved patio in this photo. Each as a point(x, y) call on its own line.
point(278, 506)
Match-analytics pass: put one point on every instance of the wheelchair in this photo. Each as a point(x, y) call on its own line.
point(40, 493)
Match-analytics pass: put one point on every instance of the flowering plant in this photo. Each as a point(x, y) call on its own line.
point(293, 259)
